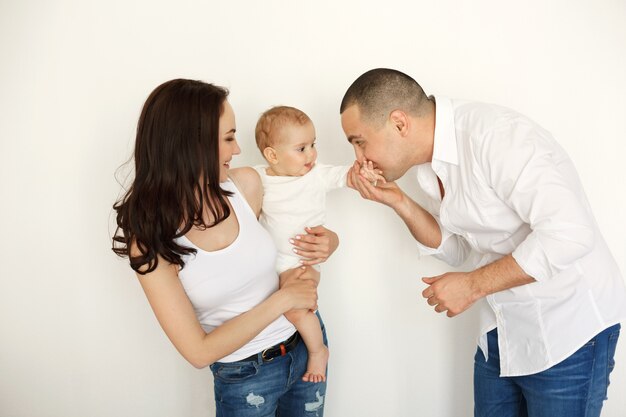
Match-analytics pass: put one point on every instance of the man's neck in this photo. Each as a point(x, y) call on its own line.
point(424, 138)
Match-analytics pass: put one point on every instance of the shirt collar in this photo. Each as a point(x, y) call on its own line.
point(444, 147)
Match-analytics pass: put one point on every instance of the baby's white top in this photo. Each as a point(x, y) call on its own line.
point(292, 203)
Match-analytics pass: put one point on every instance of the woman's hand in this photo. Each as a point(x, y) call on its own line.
point(316, 246)
point(300, 284)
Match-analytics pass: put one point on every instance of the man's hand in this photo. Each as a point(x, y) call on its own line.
point(316, 246)
point(453, 292)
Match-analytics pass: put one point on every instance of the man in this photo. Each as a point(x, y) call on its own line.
point(502, 195)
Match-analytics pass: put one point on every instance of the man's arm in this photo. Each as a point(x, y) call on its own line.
point(421, 223)
point(432, 238)
point(536, 179)
point(453, 292)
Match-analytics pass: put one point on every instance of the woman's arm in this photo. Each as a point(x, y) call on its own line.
point(176, 315)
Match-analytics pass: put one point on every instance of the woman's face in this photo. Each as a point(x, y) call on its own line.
point(228, 143)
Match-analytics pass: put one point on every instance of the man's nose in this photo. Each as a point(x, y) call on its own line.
point(358, 154)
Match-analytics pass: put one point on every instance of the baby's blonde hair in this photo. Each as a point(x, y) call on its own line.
point(273, 120)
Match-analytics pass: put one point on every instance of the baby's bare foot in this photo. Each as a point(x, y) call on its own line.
point(316, 366)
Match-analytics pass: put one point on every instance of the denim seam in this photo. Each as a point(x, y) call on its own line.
point(217, 375)
point(607, 371)
point(521, 398)
point(593, 371)
point(613, 336)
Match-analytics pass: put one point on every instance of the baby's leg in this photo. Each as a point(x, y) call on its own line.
point(309, 327)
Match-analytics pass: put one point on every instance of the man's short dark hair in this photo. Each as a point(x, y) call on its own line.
point(380, 91)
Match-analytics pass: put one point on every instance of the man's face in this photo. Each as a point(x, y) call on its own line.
point(381, 145)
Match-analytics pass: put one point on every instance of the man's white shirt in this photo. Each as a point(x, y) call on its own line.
point(511, 189)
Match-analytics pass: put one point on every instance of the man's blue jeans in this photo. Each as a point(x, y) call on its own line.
point(264, 389)
point(576, 387)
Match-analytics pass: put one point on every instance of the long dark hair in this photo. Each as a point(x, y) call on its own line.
point(176, 174)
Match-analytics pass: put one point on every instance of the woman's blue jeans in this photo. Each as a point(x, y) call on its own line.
point(576, 387)
point(275, 388)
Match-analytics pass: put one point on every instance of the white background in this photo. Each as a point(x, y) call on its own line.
point(77, 337)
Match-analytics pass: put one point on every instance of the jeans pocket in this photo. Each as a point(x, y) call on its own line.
point(234, 372)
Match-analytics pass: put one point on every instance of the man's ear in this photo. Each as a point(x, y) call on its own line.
point(270, 155)
point(399, 121)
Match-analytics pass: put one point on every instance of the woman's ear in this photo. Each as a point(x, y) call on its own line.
point(270, 155)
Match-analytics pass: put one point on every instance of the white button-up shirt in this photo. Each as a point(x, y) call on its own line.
point(511, 189)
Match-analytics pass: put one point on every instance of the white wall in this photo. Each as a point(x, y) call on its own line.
point(77, 337)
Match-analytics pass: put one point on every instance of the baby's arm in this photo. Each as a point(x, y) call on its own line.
point(371, 174)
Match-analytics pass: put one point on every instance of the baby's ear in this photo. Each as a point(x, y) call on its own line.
point(270, 155)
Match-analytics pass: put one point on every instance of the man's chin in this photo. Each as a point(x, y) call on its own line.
point(390, 177)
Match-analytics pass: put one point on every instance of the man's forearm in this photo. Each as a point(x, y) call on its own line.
point(421, 223)
point(500, 275)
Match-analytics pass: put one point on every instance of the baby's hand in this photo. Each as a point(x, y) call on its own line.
point(372, 175)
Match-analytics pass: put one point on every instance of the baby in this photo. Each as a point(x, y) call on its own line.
point(295, 188)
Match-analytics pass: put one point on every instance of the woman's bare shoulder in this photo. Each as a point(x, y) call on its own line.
point(249, 183)
point(245, 174)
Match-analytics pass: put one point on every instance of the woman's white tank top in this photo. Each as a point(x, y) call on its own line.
point(225, 283)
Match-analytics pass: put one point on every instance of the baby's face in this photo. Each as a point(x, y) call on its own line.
point(295, 150)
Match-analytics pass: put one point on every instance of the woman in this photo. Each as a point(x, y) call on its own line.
point(189, 226)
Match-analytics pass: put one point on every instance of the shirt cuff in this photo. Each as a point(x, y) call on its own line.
point(445, 235)
point(531, 257)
